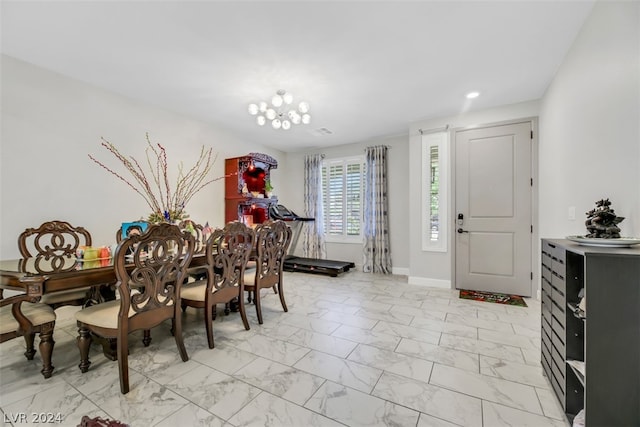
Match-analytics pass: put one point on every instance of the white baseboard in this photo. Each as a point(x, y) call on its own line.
point(400, 271)
point(433, 283)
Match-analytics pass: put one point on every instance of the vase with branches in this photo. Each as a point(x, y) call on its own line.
point(153, 183)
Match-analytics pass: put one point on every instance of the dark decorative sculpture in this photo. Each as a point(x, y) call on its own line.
point(601, 221)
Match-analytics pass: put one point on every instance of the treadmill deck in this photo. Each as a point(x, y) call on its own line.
point(320, 266)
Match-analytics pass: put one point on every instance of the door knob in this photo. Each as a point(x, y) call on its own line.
point(460, 230)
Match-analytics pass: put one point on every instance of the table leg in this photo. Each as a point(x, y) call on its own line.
point(109, 348)
point(234, 305)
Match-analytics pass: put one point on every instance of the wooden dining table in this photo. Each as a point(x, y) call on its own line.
point(38, 276)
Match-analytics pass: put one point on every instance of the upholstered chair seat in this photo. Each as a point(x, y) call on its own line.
point(57, 299)
point(194, 291)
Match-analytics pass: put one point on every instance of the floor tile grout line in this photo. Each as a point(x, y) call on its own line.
point(491, 401)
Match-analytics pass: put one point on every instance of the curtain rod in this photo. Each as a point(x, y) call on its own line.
point(434, 130)
point(388, 147)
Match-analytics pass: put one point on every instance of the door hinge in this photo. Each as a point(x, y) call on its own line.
point(532, 228)
point(532, 182)
point(532, 275)
point(531, 134)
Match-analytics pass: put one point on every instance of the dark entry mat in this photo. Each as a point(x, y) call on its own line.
point(493, 297)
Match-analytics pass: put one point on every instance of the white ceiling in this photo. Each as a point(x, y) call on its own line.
point(367, 69)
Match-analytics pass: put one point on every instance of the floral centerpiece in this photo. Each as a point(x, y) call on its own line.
point(153, 185)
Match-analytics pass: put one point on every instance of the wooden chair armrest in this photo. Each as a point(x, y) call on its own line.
point(16, 299)
point(15, 302)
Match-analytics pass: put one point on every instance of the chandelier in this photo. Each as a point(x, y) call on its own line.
point(281, 112)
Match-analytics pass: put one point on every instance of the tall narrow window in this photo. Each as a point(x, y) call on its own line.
point(342, 187)
point(434, 192)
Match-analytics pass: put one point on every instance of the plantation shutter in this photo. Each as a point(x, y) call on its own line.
point(353, 199)
point(342, 188)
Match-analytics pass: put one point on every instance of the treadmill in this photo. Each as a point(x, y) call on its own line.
point(305, 265)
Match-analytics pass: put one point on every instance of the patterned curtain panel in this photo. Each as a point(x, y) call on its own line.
point(313, 242)
point(377, 250)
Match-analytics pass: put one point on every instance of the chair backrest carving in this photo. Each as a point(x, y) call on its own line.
point(46, 265)
point(198, 233)
point(160, 257)
point(53, 239)
point(228, 252)
point(272, 242)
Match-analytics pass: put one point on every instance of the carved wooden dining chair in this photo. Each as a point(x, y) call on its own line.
point(227, 253)
point(272, 242)
point(149, 288)
point(56, 242)
point(21, 317)
point(197, 230)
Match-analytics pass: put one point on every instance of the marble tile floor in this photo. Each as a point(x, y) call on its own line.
point(357, 350)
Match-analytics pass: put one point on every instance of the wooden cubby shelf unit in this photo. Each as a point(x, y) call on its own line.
point(605, 336)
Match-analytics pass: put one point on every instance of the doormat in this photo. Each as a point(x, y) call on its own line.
point(493, 297)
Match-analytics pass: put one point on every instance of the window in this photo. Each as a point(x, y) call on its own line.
point(342, 192)
point(434, 192)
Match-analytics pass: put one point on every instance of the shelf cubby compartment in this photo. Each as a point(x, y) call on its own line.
point(578, 368)
point(576, 311)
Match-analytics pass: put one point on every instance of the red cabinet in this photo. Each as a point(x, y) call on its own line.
point(245, 193)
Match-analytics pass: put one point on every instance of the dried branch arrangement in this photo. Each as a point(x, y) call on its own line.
point(154, 183)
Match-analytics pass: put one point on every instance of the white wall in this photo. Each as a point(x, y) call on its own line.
point(50, 123)
point(435, 268)
point(398, 174)
point(590, 125)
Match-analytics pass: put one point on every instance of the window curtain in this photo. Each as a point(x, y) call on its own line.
point(377, 250)
point(313, 242)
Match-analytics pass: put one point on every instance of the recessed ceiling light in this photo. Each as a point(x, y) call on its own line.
point(472, 95)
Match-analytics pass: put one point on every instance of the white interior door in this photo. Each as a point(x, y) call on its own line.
point(493, 228)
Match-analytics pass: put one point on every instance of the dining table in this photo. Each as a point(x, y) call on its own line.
point(40, 275)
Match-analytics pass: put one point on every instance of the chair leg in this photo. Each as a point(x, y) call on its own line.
point(208, 322)
point(46, 348)
point(243, 313)
point(29, 340)
point(284, 304)
point(84, 342)
point(256, 300)
point(123, 362)
point(178, 336)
